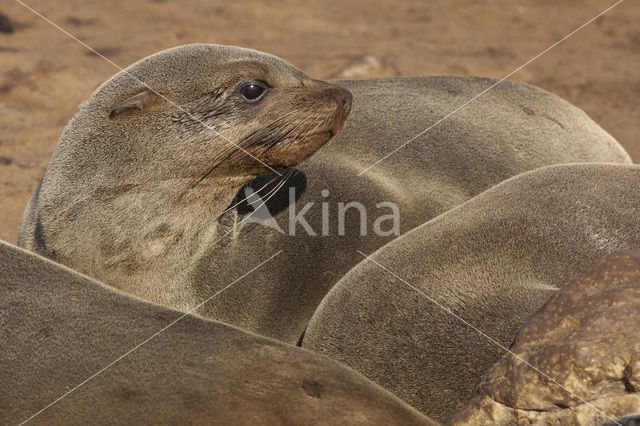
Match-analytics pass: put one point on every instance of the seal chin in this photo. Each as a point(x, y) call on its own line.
point(293, 153)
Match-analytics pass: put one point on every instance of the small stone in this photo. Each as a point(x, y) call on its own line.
point(6, 26)
point(366, 66)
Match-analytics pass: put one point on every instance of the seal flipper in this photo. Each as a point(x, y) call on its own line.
point(277, 202)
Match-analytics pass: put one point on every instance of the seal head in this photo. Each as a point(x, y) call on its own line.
point(149, 162)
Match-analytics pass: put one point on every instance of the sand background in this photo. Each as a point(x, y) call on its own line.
point(44, 74)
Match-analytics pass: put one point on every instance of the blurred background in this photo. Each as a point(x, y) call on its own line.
point(45, 75)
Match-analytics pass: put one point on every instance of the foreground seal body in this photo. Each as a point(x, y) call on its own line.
point(119, 200)
point(60, 328)
point(493, 262)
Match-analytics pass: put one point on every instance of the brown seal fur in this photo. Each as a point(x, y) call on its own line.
point(493, 261)
point(107, 205)
point(59, 328)
point(136, 183)
point(512, 129)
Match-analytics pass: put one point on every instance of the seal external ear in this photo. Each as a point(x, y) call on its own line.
point(140, 101)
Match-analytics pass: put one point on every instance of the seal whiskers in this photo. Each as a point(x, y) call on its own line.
point(260, 136)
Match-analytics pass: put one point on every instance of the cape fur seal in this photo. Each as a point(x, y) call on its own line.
point(148, 163)
point(60, 328)
point(492, 261)
point(107, 206)
point(585, 337)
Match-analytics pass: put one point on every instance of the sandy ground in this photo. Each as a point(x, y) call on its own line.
point(44, 74)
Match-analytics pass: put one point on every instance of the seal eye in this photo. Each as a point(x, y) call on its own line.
point(253, 91)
